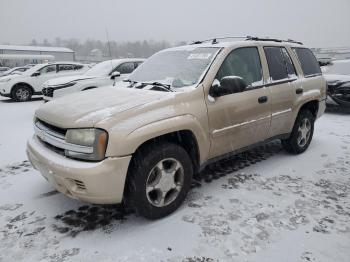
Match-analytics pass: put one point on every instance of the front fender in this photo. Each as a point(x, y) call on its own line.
point(129, 144)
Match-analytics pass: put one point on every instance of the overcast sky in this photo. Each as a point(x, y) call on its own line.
point(317, 23)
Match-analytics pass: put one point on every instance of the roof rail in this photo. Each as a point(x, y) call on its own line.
point(215, 40)
point(252, 38)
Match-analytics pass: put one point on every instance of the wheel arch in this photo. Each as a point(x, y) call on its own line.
point(184, 138)
point(312, 106)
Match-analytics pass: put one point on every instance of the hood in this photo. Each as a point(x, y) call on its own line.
point(85, 109)
point(6, 77)
point(332, 78)
point(68, 79)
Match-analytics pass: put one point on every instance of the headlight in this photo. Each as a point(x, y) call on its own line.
point(96, 139)
point(4, 80)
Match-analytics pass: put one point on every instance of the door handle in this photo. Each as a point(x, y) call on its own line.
point(262, 99)
point(299, 91)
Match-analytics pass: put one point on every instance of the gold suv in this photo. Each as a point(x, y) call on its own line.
point(143, 139)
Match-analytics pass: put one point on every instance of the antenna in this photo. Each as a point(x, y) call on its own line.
point(110, 52)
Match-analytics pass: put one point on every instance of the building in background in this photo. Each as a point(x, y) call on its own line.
point(12, 55)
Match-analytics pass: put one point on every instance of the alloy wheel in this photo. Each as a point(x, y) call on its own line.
point(164, 182)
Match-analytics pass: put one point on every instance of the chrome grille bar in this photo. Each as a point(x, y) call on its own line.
point(58, 140)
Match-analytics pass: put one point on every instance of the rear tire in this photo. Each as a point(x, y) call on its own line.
point(302, 133)
point(159, 179)
point(21, 93)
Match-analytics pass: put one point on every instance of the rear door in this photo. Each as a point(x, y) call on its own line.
point(241, 119)
point(283, 82)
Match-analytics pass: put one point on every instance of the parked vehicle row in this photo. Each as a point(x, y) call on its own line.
point(21, 87)
point(141, 141)
point(61, 78)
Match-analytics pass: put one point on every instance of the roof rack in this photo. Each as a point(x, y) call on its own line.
point(252, 38)
point(215, 40)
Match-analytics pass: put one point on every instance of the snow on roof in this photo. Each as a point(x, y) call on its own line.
point(36, 48)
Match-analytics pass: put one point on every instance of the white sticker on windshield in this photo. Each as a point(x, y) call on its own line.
point(203, 56)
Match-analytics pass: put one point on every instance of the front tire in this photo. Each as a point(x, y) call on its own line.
point(22, 93)
point(302, 133)
point(159, 179)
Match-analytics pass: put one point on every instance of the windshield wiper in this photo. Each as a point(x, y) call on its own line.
point(135, 84)
point(132, 83)
point(159, 84)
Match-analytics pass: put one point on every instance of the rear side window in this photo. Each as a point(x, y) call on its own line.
point(78, 67)
point(245, 63)
point(308, 62)
point(65, 67)
point(289, 64)
point(275, 60)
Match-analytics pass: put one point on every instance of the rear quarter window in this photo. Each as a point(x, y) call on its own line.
point(308, 62)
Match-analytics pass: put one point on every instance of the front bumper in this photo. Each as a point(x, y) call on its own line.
point(5, 89)
point(94, 182)
point(4, 94)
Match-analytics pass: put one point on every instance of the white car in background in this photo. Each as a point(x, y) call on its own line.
point(21, 87)
point(102, 74)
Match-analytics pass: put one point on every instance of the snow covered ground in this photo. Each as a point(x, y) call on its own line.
point(264, 205)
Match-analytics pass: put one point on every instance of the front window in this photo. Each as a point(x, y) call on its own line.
point(177, 67)
point(48, 69)
point(245, 63)
point(126, 68)
point(101, 69)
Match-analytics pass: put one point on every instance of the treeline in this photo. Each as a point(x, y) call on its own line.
point(112, 49)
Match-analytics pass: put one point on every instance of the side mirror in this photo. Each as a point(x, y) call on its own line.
point(115, 74)
point(227, 86)
point(36, 73)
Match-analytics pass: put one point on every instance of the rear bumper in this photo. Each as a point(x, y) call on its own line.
point(100, 183)
point(321, 108)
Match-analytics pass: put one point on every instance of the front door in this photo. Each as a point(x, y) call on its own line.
point(241, 119)
point(46, 73)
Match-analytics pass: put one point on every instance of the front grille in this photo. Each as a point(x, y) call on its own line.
point(61, 131)
point(56, 131)
point(54, 138)
point(48, 91)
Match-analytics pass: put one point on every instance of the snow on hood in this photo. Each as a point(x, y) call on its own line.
point(334, 78)
point(85, 109)
point(12, 76)
point(67, 79)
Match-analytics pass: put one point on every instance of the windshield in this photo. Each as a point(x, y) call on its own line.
point(102, 69)
point(176, 67)
point(33, 69)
